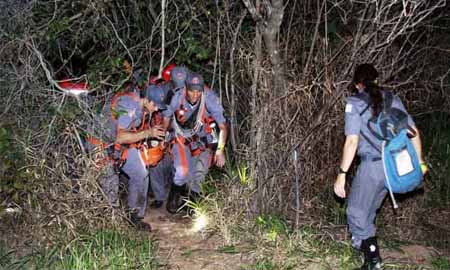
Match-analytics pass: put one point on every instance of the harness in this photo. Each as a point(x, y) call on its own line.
point(181, 127)
point(151, 152)
point(186, 130)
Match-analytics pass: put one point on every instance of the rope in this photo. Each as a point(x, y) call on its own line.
point(188, 133)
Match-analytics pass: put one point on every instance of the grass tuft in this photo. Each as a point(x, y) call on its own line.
point(100, 250)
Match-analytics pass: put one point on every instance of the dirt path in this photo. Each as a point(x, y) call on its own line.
point(182, 248)
point(410, 254)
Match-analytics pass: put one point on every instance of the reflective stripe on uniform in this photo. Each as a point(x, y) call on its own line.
point(183, 159)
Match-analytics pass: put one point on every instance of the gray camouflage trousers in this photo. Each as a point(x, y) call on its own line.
point(190, 170)
point(138, 180)
point(161, 177)
point(137, 173)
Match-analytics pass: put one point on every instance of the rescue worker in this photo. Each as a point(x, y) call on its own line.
point(367, 190)
point(191, 110)
point(131, 110)
point(174, 82)
point(100, 143)
point(161, 174)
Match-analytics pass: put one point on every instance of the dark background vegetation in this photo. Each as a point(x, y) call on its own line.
point(281, 69)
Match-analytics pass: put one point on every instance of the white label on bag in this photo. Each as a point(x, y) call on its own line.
point(403, 162)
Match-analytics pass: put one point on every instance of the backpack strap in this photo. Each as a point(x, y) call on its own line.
point(374, 132)
point(387, 100)
point(371, 142)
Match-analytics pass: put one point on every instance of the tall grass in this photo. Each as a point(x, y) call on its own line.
point(100, 250)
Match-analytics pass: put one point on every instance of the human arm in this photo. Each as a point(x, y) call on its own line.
point(166, 123)
point(348, 154)
point(352, 130)
point(126, 137)
point(417, 143)
point(220, 152)
point(217, 112)
point(129, 112)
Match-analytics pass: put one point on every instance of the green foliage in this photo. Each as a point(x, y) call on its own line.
point(14, 180)
point(108, 249)
point(393, 243)
point(102, 65)
point(56, 28)
point(187, 253)
point(4, 140)
point(209, 186)
point(6, 256)
point(244, 178)
point(308, 242)
point(71, 111)
point(99, 250)
point(230, 249)
point(193, 52)
point(338, 213)
point(272, 226)
point(239, 171)
point(441, 263)
point(264, 264)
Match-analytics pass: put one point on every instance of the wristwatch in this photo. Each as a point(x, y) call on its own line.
point(341, 171)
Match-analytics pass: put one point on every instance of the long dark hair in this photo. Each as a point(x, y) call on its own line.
point(366, 74)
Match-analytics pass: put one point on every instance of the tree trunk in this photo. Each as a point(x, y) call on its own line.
point(268, 16)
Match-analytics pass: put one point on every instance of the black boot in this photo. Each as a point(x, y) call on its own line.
point(372, 259)
point(139, 224)
point(156, 204)
point(176, 198)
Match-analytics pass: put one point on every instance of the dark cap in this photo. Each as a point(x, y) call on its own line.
point(178, 76)
point(195, 81)
point(157, 95)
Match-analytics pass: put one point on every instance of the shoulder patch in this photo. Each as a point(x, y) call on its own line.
point(348, 108)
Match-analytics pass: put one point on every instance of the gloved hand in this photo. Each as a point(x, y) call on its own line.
point(423, 168)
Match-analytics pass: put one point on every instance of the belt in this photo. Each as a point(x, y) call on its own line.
point(370, 159)
point(195, 139)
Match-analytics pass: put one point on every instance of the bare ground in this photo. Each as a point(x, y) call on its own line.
point(183, 249)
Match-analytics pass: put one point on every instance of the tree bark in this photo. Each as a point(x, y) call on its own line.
point(269, 16)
